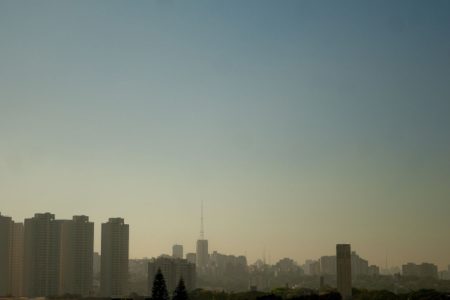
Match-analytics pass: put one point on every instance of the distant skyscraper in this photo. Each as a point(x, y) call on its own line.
point(173, 269)
point(202, 255)
point(344, 270)
point(6, 238)
point(41, 256)
point(77, 247)
point(177, 251)
point(114, 258)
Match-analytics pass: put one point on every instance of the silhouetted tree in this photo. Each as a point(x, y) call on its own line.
point(331, 296)
point(180, 292)
point(159, 290)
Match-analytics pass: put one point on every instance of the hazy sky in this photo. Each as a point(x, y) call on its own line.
point(300, 124)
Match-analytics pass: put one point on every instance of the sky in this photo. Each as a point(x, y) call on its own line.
point(299, 124)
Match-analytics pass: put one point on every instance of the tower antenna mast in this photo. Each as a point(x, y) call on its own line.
point(202, 231)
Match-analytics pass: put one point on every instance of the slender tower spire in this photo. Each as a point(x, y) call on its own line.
point(202, 231)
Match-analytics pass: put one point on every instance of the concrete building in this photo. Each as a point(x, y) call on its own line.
point(314, 268)
point(191, 257)
point(6, 241)
point(374, 270)
point(96, 264)
point(221, 264)
point(114, 258)
point(328, 265)
point(360, 266)
point(177, 251)
point(202, 255)
point(17, 260)
point(41, 256)
point(424, 270)
point(173, 269)
point(11, 257)
point(344, 270)
point(76, 255)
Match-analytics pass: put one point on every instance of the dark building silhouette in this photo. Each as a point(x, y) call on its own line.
point(202, 253)
point(41, 256)
point(6, 241)
point(114, 258)
point(344, 270)
point(17, 260)
point(76, 250)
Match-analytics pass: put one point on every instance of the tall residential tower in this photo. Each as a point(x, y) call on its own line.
point(114, 258)
point(41, 256)
point(76, 250)
point(6, 237)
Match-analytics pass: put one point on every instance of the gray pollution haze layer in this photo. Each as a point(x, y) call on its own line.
point(273, 131)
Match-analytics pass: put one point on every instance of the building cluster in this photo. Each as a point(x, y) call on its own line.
point(424, 270)
point(327, 265)
point(445, 274)
point(44, 256)
point(173, 269)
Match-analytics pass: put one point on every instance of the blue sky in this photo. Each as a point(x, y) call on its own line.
point(306, 123)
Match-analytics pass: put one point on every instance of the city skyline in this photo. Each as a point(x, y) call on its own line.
point(46, 256)
point(300, 125)
point(266, 257)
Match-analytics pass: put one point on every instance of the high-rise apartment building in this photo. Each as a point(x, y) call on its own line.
point(114, 258)
point(328, 265)
point(17, 260)
point(6, 241)
point(41, 256)
point(76, 255)
point(177, 251)
point(360, 266)
point(173, 269)
point(96, 264)
point(344, 270)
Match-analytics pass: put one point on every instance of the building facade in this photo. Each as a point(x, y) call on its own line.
point(360, 266)
point(202, 255)
point(17, 260)
point(177, 251)
point(344, 270)
point(191, 257)
point(76, 256)
point(424, 270)
point(41, 256)
point(328, 265)
point(114, 258)
point(6, 241)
